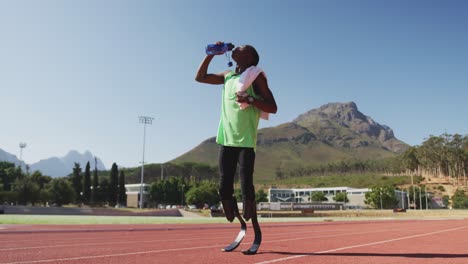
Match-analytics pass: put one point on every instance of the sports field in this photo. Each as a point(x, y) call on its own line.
point(425, 240)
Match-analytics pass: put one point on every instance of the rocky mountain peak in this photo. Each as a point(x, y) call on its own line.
point(347, 112)
point(342, 124)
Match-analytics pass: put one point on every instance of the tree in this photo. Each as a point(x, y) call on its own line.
point(27, 191)
point(9, 174)
point(5, 175)
point(172, 188)
point(114, 182)
point(62, 192)
point(42, 181)
point(381, 197)
point(442, 156)
point(205, 193)
point(410, 159)
point(341, 197)
point(77, 182)
point(168, 191)
point(87, 184)
point(8, 197)
point(261, 196)
point(202, 171)
point(94, 189)
point(318, 197)
point(105, 191)
point(157, 192)
point(460, 200)
point(122, 200)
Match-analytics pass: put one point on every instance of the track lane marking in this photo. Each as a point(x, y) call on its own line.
point(113, 255)
point(218, 245)
point(148, 241)
point(362, 245)
point(106, 243)
point(183, 249)
point(215, 237)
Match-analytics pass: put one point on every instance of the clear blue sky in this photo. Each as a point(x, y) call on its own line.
point(77, 74)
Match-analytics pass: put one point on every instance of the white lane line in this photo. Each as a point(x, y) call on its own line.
point(112, 255)
point(219, 246)
point(362, 245)
point(173, 239)
point(175, 249)
point(152, 241)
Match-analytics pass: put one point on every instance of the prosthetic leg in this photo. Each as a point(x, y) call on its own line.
point(250, 212)
point(229, 207)
point(231, 210)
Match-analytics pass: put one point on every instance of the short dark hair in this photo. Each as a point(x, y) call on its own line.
point(254, 53)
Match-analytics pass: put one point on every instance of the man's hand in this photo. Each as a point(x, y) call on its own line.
point(219, 43)
point(202, 74)
point(242, 97)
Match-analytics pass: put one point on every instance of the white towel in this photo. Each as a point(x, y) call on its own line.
point(245, 80)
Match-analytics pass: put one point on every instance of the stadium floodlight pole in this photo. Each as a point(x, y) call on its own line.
point(22, 145)
point(414, 192)
point(407, 196)
point(381, 207)
point(145, 120)
point(425, 196)
point(345, 198)
point(402, 200)
point(420, 198)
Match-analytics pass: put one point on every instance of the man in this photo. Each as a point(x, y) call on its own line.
point(237, 132)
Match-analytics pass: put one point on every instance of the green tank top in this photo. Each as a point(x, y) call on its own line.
point(237, 127)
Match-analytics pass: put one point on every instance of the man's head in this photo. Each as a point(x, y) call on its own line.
point(245, 55)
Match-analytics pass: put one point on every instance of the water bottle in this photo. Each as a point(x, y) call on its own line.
point(213, 49)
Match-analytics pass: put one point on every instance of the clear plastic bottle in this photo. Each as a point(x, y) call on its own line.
point(213, 49)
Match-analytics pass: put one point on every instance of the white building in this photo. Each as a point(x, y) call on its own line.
point(355, 196)
point(133, 194)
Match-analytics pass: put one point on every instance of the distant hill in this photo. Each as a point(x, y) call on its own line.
point(335, 131)
point(5, 156)
point(57, 167)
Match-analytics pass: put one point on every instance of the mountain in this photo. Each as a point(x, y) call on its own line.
point(342, 125)
point(58, 167)
point(5, 156)
point(332, 132)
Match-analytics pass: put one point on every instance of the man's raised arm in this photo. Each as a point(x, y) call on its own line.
point(210, 78)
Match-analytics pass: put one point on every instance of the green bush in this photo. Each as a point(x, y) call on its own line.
point(446, 200)
point(8, 197)
point(341, 197)
point(207, 193)
point(460, 200)
point(318, 197)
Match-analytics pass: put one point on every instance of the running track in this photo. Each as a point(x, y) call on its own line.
point(401, 242)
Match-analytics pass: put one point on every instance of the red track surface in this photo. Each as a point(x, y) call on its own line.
point(425, 241)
